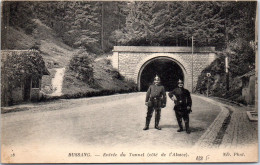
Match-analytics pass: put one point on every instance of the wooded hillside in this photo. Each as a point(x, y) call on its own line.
point(98, 26)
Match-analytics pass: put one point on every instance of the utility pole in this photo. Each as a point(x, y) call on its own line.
point(102, 26)
point(191, 64)
point(119, 12)
point(227, 73)
point(208, 88)
point(208, 76)
point(119, 23)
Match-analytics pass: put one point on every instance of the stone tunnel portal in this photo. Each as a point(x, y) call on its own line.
point(168, 70)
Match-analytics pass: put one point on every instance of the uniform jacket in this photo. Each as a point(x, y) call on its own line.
point(156, 91)
point(183, 98)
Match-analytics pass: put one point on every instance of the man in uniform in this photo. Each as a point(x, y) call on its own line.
point(182, 107)
point(155, 100)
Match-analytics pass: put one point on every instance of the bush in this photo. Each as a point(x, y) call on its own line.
point(94, 48)
point(81, 64)
point(21, 64)
point(241, 60)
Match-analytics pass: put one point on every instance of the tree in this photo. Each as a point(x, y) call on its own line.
point(21, 15)
point(174, 23)
point(142, 24)
point(82, 30)
point(171, 23)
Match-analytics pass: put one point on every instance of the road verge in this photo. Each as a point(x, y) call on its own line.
point(211, 137)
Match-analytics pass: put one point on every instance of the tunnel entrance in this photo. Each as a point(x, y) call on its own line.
point(169, 72)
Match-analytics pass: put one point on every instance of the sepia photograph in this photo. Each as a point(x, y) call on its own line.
point(129, 81)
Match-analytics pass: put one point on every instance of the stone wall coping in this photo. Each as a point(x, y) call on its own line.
point(163, 49)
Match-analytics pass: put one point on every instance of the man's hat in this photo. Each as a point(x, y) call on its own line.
point(180, 81)
point(157, 78)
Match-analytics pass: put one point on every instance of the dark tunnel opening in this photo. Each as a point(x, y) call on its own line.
point(169, 72)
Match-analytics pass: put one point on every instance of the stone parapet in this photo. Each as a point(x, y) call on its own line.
point(163, 49)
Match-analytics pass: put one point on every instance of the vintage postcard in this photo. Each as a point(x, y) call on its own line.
point(129, 81)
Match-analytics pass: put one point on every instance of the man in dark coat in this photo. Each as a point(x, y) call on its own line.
point(155, 100)
point(182, 107)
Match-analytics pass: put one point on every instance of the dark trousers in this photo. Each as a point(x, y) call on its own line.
point(182, 115)
point(156, 105)
point(157, 113)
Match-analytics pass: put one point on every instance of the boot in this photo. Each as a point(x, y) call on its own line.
point(157, 127)
point(157, 124)
point(180, 130)
point(147, 124)
point(180, 125)
point(157, 119)
point(187, 127)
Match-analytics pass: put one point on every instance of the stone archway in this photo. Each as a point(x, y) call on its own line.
point(170, 70)
point(132, 60)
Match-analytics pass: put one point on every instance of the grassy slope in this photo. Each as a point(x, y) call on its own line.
point(106, 76)
point(72, 86)
point(52, 49)
point(56, 54)
point(105, 79)
point(18, 40)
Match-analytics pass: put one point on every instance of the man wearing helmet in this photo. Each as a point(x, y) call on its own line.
point(182, 107)
point(155, 100)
